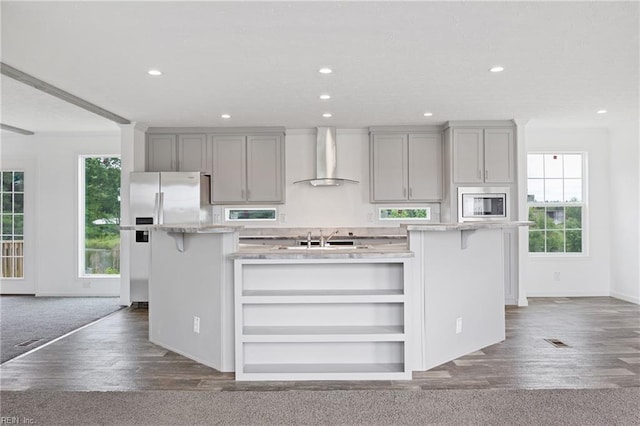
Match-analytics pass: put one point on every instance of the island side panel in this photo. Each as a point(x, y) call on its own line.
point(195, 283)
point(462, 276)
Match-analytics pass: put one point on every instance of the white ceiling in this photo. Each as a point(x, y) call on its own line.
point(258, 62)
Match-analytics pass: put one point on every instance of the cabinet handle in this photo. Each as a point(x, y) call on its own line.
point(404, 192)
point(486, 174)
point(410, 192)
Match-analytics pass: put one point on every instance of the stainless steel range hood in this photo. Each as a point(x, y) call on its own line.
point(326, 160)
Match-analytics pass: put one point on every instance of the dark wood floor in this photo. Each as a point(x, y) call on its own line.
point(602, 334)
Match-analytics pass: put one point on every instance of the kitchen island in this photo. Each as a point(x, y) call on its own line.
point(370, 312)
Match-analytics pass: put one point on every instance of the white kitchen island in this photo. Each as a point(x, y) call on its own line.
point(273, 313)
point(323, 314)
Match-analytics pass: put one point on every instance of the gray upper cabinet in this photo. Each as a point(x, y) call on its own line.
point(229, 169)
point(248, 169)
point(406, 167)
point(162, 153)
point(183, 153)
point(483, 155)
point(192, 153)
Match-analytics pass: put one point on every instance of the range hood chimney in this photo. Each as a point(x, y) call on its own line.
point(326, 160)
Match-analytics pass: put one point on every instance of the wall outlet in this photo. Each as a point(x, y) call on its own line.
point(556, 276)
point(458, 325)
point(196, 324)
point(283, 218)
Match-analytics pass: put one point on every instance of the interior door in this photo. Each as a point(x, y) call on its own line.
point(18, 205)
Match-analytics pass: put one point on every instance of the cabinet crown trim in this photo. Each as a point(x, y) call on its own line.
point(480, 123)
point(217, 130)
point(406, 129)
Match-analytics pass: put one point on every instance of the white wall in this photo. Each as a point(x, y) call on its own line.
point(54, 230)
point(333, 206)
point(625, 211)
point(587, 275)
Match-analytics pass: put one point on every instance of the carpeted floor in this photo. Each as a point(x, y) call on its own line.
point(441, 407)
point(25, 318)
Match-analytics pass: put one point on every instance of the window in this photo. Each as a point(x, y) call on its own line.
point(248, 213)
point(12, 208)
point(100, 215)
point(404, 213)
point(556, 202)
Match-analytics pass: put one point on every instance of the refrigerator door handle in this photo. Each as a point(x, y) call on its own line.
point(156, 205)
point(161, 209)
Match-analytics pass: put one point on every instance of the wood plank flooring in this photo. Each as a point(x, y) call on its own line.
point(602, 335)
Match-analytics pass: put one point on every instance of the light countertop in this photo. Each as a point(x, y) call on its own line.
point(440, 227)
point(355, 252)
point(184, 228)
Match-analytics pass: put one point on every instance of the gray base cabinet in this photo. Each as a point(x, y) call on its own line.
point(406, 167)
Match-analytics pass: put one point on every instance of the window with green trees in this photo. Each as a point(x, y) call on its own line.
point(12, 224)
point(555, 196)
point(100, 205)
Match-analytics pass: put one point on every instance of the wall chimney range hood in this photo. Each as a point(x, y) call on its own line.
point(326, 160)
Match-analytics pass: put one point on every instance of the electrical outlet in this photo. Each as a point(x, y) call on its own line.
point(458, 325)
point(556, 276)
point(196, 324)
point(283, 218)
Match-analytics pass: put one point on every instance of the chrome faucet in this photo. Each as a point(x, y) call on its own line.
point(309, 239)
point(323, 240)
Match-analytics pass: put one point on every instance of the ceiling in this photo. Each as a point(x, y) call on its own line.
point(259, 63)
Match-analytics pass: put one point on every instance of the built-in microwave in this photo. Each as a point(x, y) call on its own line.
point(483, 203)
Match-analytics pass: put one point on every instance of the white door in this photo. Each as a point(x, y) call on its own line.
point(17, 206)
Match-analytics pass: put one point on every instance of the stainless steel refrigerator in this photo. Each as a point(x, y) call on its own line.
point(163, 198)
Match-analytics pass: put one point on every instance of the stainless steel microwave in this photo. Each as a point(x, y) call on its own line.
point(483, 203)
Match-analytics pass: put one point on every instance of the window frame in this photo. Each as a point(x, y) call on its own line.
point(227, 211)
point(13, 214)
point(584, 204)
point(404, 219)
point(81, 216)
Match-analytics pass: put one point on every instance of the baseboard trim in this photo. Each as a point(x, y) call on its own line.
point(626, 298)
point(77, 294)
point(568, 294)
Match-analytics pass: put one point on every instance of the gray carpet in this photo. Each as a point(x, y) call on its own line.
point(24, 318)
point(384, 407)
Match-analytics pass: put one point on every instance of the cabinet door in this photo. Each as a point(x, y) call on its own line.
point(468, 156)
point(229, 158)
point(498, 156)
point(192, 153)
point(389, 168)
point(425, 167)
point(162, 153)
point(265, 169)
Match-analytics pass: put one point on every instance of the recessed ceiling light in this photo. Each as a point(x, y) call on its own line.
point(428, 114)
point(497, 68)
point(225, 116)
point(327, 115)
point(325, 70)
point(154, 72)
point(602, 111)
point(325, 97)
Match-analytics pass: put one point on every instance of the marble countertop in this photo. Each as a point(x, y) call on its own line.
point(356, 252)
point(193, 228)
point(439, 227)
